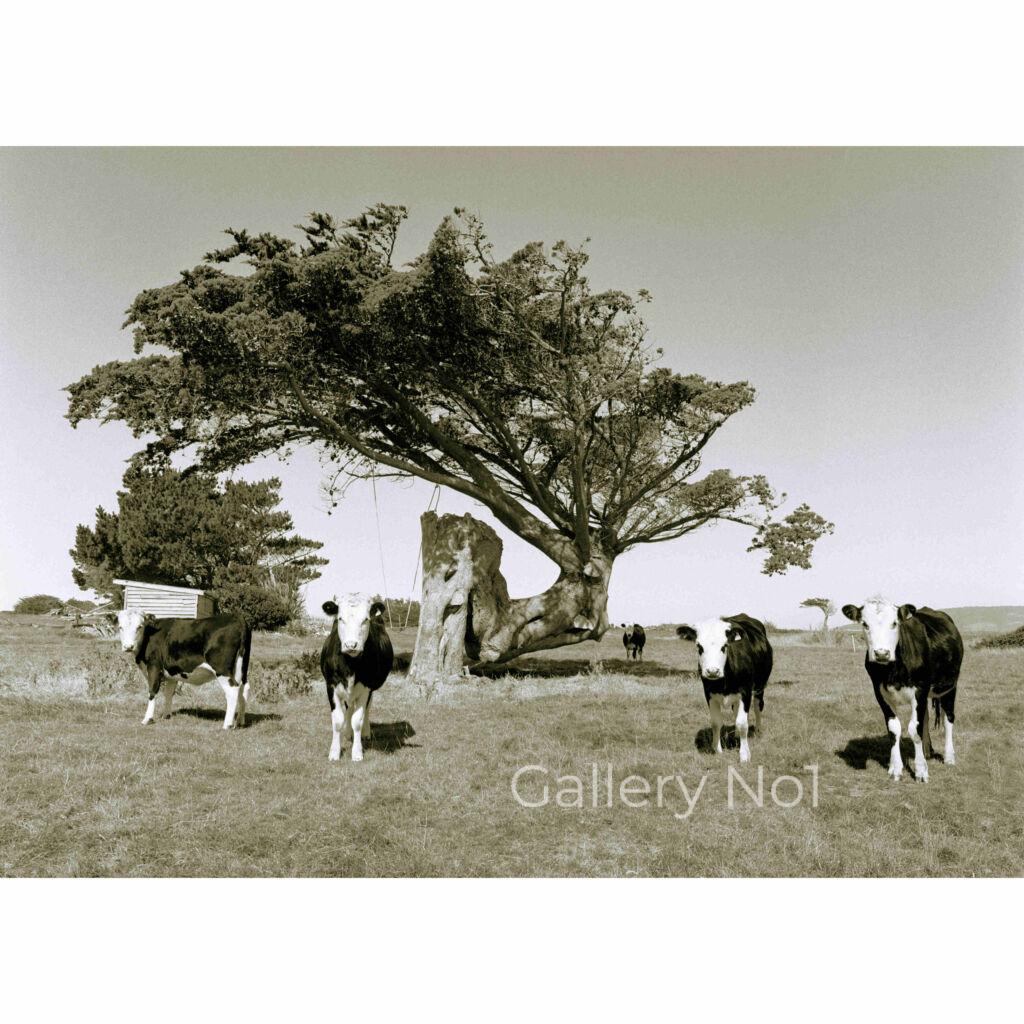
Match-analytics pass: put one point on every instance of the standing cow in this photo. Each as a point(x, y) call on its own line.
point(194, 651)
point(913, 654)
point(633, 640)
point(734, 658)
point(355, 660)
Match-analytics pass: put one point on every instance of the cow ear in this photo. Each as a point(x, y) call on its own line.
point(733, 633)
point(686, 632)
point(852, 612)
point(906, 611)
point(330, 608)
point(149, 618)
point(377, 610)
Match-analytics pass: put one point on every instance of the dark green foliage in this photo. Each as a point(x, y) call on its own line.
point(259, 606)
point(186, 529)
point(512, 382)
point(75, 605)
point(1015, 638)
point(38, 604)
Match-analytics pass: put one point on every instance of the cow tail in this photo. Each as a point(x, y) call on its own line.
point(246, 648)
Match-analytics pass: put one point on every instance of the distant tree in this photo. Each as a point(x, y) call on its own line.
point(186, 529)
point(38, 604)
point(824, 605)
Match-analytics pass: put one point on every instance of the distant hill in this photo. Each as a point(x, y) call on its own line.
point(999, 619)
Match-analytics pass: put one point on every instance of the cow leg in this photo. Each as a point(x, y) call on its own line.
point(918, 712)
point(947, 702)
point(232, 690)
point(715, 707)
point(155, 677)
point(742, 708)
point(367, 732)
point(243, 696)
point(169, 685)
point(892, 723)
point(359, 697)
point(758, 702)
point(339, 707)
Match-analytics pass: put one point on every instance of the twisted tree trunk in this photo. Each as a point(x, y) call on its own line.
point(467, 616)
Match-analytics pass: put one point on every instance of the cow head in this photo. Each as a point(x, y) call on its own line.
point(354, 613)
point(881, 621)
point(131, 626)
point(712, 638)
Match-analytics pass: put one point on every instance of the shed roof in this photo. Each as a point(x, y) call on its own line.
point(159, 586)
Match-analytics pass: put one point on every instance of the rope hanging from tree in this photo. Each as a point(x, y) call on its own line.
point(435, 500)
point(380, 546)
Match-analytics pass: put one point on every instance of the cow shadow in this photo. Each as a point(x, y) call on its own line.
point(730, 739)
point(563, 668)
point(387, 737)
point(859, 752)
point(252, 718)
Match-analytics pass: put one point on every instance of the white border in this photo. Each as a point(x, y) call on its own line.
point(817, 951)
point(537, 73)
point(455, 72)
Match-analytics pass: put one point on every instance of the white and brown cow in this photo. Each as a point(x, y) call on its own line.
point(913, 655)
point(634, 640)
point(356, 659)
point(193, 651)
point(734, 659)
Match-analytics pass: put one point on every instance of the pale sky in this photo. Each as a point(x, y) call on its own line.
point(875, 298)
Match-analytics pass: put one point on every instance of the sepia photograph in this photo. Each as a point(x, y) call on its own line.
point(511, 512)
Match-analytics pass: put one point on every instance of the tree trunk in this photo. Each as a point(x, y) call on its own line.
point(467, 616)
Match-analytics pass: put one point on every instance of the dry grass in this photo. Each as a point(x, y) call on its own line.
point(87, 791)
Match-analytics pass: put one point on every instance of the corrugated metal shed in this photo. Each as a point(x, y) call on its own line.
point(166, 601)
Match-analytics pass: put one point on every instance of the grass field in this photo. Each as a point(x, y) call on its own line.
point(86, 790)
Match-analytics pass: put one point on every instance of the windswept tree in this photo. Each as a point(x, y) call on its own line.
point(512, 382)
point(824, 605)
point(187, 529)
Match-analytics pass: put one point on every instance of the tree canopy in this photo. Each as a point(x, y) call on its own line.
point(511, 381)
point(186, 529)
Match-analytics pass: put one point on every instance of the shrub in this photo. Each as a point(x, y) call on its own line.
point(38, 604)
point(90, 670)
point(74, 604)
point(261, 609)
point(109, 670)
point(304, 625)
point(1015, 638)
point(276, 680)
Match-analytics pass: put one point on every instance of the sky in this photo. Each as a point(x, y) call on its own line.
point(874, 298)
